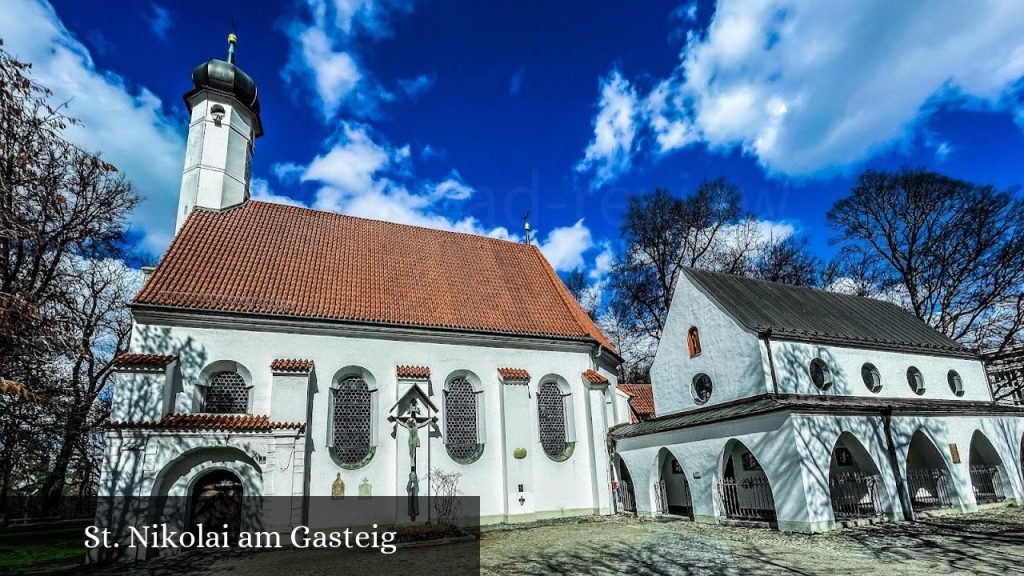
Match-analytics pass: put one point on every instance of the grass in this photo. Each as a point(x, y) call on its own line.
point(41, 552)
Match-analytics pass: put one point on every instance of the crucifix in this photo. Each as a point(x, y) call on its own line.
point(412, 421)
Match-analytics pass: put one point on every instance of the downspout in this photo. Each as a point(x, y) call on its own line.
point(767, 334)
point(901, 486)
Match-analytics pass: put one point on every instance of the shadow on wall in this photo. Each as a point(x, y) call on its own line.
point(794, 362)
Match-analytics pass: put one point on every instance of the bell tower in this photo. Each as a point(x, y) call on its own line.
point(224, 121)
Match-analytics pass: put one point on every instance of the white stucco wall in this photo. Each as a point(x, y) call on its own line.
point(792, 365)
point(795, 451)
point(730, 354)
point(578, 485)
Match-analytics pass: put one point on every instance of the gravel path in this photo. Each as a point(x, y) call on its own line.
point(983, 543)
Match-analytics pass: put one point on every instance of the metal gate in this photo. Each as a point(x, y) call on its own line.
point(750, 499)
point(854, 495)
point(661, 497)
point(987, 488)
point(624, 494)
point(929, 488)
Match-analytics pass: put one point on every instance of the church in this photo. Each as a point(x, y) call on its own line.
point(285, 352)
point(291, 353)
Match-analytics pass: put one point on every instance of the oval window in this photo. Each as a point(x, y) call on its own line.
point(701, 388)
point(916, 380)
point(956, 384)
point(872, 378)
point(821, 375)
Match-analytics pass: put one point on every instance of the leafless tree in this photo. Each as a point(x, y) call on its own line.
point(950, 251)
point(63, 290)
point(708, 229)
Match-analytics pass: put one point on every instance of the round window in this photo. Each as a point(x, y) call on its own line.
point(956, 384)
point(915, 380)
point(820, 374)
point(701, 388)
point(872, 379)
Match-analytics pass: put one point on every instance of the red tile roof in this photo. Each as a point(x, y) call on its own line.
point(594, 377)
point(132, 360)
point(641, 400)
point(417, 372)
point(514, 374)
point(207, 422)
point(270, 259)
point(291, 365)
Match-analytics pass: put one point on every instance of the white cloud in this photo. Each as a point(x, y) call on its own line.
point(812, 88)
point(418, 86)
point(260, 190)
point(325, 52)
point(603, 263)
point(126, 124)
point(159, 20)
point(564, 246)
point(610, 152)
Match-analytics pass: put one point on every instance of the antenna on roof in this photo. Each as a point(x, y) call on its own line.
point(526, 228)
point(232, 40)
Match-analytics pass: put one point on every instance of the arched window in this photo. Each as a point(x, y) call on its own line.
point(555, 417)
point(872, 378)
point(821, 375)
point(701, 388)
point(351, 430)
point(956, 383)
point(916, 380)
point(693, 341)
point(226, 393)
point(462, 421)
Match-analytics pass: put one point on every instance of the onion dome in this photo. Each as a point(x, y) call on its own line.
point(226, 77)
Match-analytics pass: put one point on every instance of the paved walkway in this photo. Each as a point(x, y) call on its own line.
point(983, 543)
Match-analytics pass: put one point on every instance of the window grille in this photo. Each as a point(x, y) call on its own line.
point(352, 420)
point(821, 375)
point(916, 380)
point(701, 388)
point(226, 393)
point(460, 420)
point(956, 384)
point(552, 419)
point(872, 379)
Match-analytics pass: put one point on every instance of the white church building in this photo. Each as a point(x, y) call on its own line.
point(810, 410)
point(282, 352)
point(276, 351)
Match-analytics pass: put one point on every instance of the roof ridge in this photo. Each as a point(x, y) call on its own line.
point(331, 214)
point(783, 285)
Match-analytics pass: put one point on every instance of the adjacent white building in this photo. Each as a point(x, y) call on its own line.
point(274, 347)
point(806, 408)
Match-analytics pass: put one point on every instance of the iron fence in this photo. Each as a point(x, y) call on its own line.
point(750, 499)
point(987, 487)
point(929, 488)
point(624, 494)
point(854, 495)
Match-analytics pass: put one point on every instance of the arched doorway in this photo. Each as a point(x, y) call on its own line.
point(744, 491)
point(624, 493)
point(988, 475)
point(216, 502)
point(673, 490)
point(928, 479)
point(854, 481)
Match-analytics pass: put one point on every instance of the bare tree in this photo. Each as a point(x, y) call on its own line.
point(662, 234)
point(950, 251)
point(63, 290)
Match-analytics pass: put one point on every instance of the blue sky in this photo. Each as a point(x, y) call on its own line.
point(465, 115)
